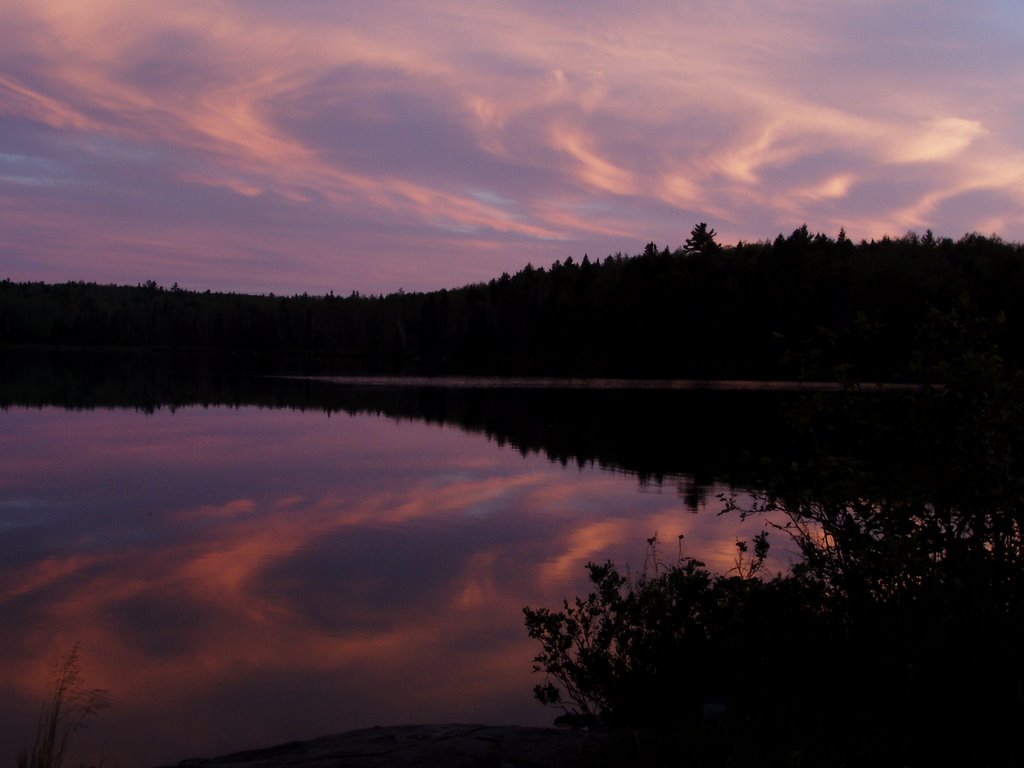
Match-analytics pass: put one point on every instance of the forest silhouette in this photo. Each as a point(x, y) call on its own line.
point(798, 306)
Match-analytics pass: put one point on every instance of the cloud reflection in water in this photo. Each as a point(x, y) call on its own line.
point(243, 576)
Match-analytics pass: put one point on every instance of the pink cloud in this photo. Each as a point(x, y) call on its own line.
point(342, 140)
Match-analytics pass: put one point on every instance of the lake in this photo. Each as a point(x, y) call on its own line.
point(309, 557)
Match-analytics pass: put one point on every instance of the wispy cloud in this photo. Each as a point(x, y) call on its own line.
point(252, 145)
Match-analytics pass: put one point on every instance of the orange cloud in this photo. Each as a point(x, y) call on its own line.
point(940, 139)
point(596, 133)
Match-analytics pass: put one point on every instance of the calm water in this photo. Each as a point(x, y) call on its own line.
point(241, 576)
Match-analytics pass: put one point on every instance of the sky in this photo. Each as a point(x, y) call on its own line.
point(318, 145)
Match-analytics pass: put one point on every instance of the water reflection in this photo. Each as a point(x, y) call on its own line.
point(239, 576)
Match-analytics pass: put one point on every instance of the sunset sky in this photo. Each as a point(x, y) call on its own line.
point(320, 145)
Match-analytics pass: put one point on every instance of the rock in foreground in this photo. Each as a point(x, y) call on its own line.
point(439, 746)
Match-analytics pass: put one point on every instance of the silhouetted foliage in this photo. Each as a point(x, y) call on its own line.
point(68, 705)
point(703, 310)
point(701, 241)
point(638, 651)
point(696, 663)
point(908, 595)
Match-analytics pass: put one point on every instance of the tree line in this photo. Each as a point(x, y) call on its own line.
point(797, 305)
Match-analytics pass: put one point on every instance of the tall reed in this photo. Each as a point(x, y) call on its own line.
point(68, 705)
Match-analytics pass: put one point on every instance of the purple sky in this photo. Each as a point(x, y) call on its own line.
point(321, 145)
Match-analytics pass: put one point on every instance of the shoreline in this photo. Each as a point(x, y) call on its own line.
point(452, 745)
